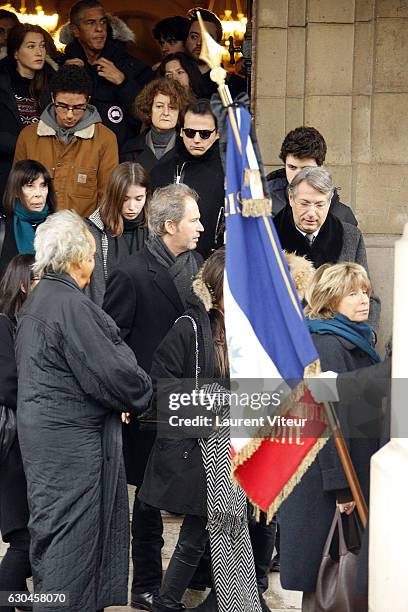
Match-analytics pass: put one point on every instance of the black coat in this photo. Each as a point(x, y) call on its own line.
point(137, 150)
point(13, 487)
point(175, 478)
point(143, 301)
point(306, 516)
point(10, 121)
point(75, 377)
point(205, 175)
point(118, 250)
point(8, 247)
point(278, 188)
point(114, 102)
point(336, 242)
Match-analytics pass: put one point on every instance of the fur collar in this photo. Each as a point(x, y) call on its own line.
point(120, 31)
point(325, 249)
point(301, 271)
point(46, 130)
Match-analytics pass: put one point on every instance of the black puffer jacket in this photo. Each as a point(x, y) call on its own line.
point(114, 102)
point(205, 175)
point(278, 188)
point(75, 376)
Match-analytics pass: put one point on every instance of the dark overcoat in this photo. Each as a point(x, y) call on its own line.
point(175, 479)
point(336, 242)
point(306, 516)
point(75, 377)
point(137, 150)
point(143, 301)
point(13, 487)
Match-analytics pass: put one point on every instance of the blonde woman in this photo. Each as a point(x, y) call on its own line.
point(337, 311)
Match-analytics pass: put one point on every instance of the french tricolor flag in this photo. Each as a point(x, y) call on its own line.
point(267, 335)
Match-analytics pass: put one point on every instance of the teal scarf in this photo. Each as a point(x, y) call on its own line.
point(25, 223)
point(359, 334)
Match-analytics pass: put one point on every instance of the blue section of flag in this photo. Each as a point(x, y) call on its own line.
point(258, 277)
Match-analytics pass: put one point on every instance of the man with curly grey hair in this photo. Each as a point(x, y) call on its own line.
point(145, 296)
point(76, 377)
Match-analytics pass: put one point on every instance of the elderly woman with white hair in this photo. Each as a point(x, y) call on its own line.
point(76, 376)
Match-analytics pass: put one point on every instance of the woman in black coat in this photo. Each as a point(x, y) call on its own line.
point(24, 76)
point(337, 311)
point(119, 225)
point(189, 469)
point(28, 200)
point(15, 567)
point(159, 106)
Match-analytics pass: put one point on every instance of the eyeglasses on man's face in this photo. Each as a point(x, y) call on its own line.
point(77, 109)
point(306, 205)
point(204, 134)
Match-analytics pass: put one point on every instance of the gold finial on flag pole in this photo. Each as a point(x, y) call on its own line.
point(211, 54)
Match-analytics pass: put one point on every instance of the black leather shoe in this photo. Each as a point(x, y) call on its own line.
point(275, 564)
point(142, 601)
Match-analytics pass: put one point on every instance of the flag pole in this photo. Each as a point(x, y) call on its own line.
point(346, 463)
point(211, 54)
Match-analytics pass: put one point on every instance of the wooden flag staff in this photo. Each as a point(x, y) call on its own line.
point(346, 463)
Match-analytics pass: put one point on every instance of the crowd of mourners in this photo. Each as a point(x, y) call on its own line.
point(111, 267)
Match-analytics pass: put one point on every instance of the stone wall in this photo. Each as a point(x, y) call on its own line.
point(341, 66)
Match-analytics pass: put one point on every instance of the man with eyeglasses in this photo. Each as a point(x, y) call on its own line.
point(96, 42)
point(197, 163)
point(72, 143)
point(302, 147)
point(307, 227)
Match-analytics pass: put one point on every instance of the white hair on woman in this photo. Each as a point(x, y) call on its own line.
point(62, 240)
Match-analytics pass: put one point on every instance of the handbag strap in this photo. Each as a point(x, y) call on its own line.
point(194, 324)
point(337, 522)
point(2, 231)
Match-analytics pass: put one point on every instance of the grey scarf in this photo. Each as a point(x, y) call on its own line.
point(182, 268)
point(89, 117)
point(160, 142)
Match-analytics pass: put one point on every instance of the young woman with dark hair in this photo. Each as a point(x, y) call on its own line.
point(159, 106)
point(28, 199)
point(119, 225)
point(182, 68)
point(15, 567)
point(190, 474)
point(24, 76)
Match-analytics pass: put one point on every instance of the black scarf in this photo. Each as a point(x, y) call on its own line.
point(132, 240)
point(182, 268)
point(326, 247)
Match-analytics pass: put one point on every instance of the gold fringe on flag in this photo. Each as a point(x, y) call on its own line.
point(261, 207)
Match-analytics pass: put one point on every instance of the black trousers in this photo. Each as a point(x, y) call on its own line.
point(263, 541)
point(15, 567)
point(147, 543)
point(183, 563)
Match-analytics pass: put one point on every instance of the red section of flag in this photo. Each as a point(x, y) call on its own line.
point(278, 463)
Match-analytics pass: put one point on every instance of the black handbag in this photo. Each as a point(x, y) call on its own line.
point(8, 430)
point(336, 580)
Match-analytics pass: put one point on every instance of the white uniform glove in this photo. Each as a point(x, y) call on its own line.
point(323, 387)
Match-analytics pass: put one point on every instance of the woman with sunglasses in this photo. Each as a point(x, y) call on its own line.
point(24, 76)
point(159, 106)
point(197, 163)
point(15, 567)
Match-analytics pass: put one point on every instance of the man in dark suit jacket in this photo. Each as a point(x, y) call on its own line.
point(145, 296)
point(301, 148)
